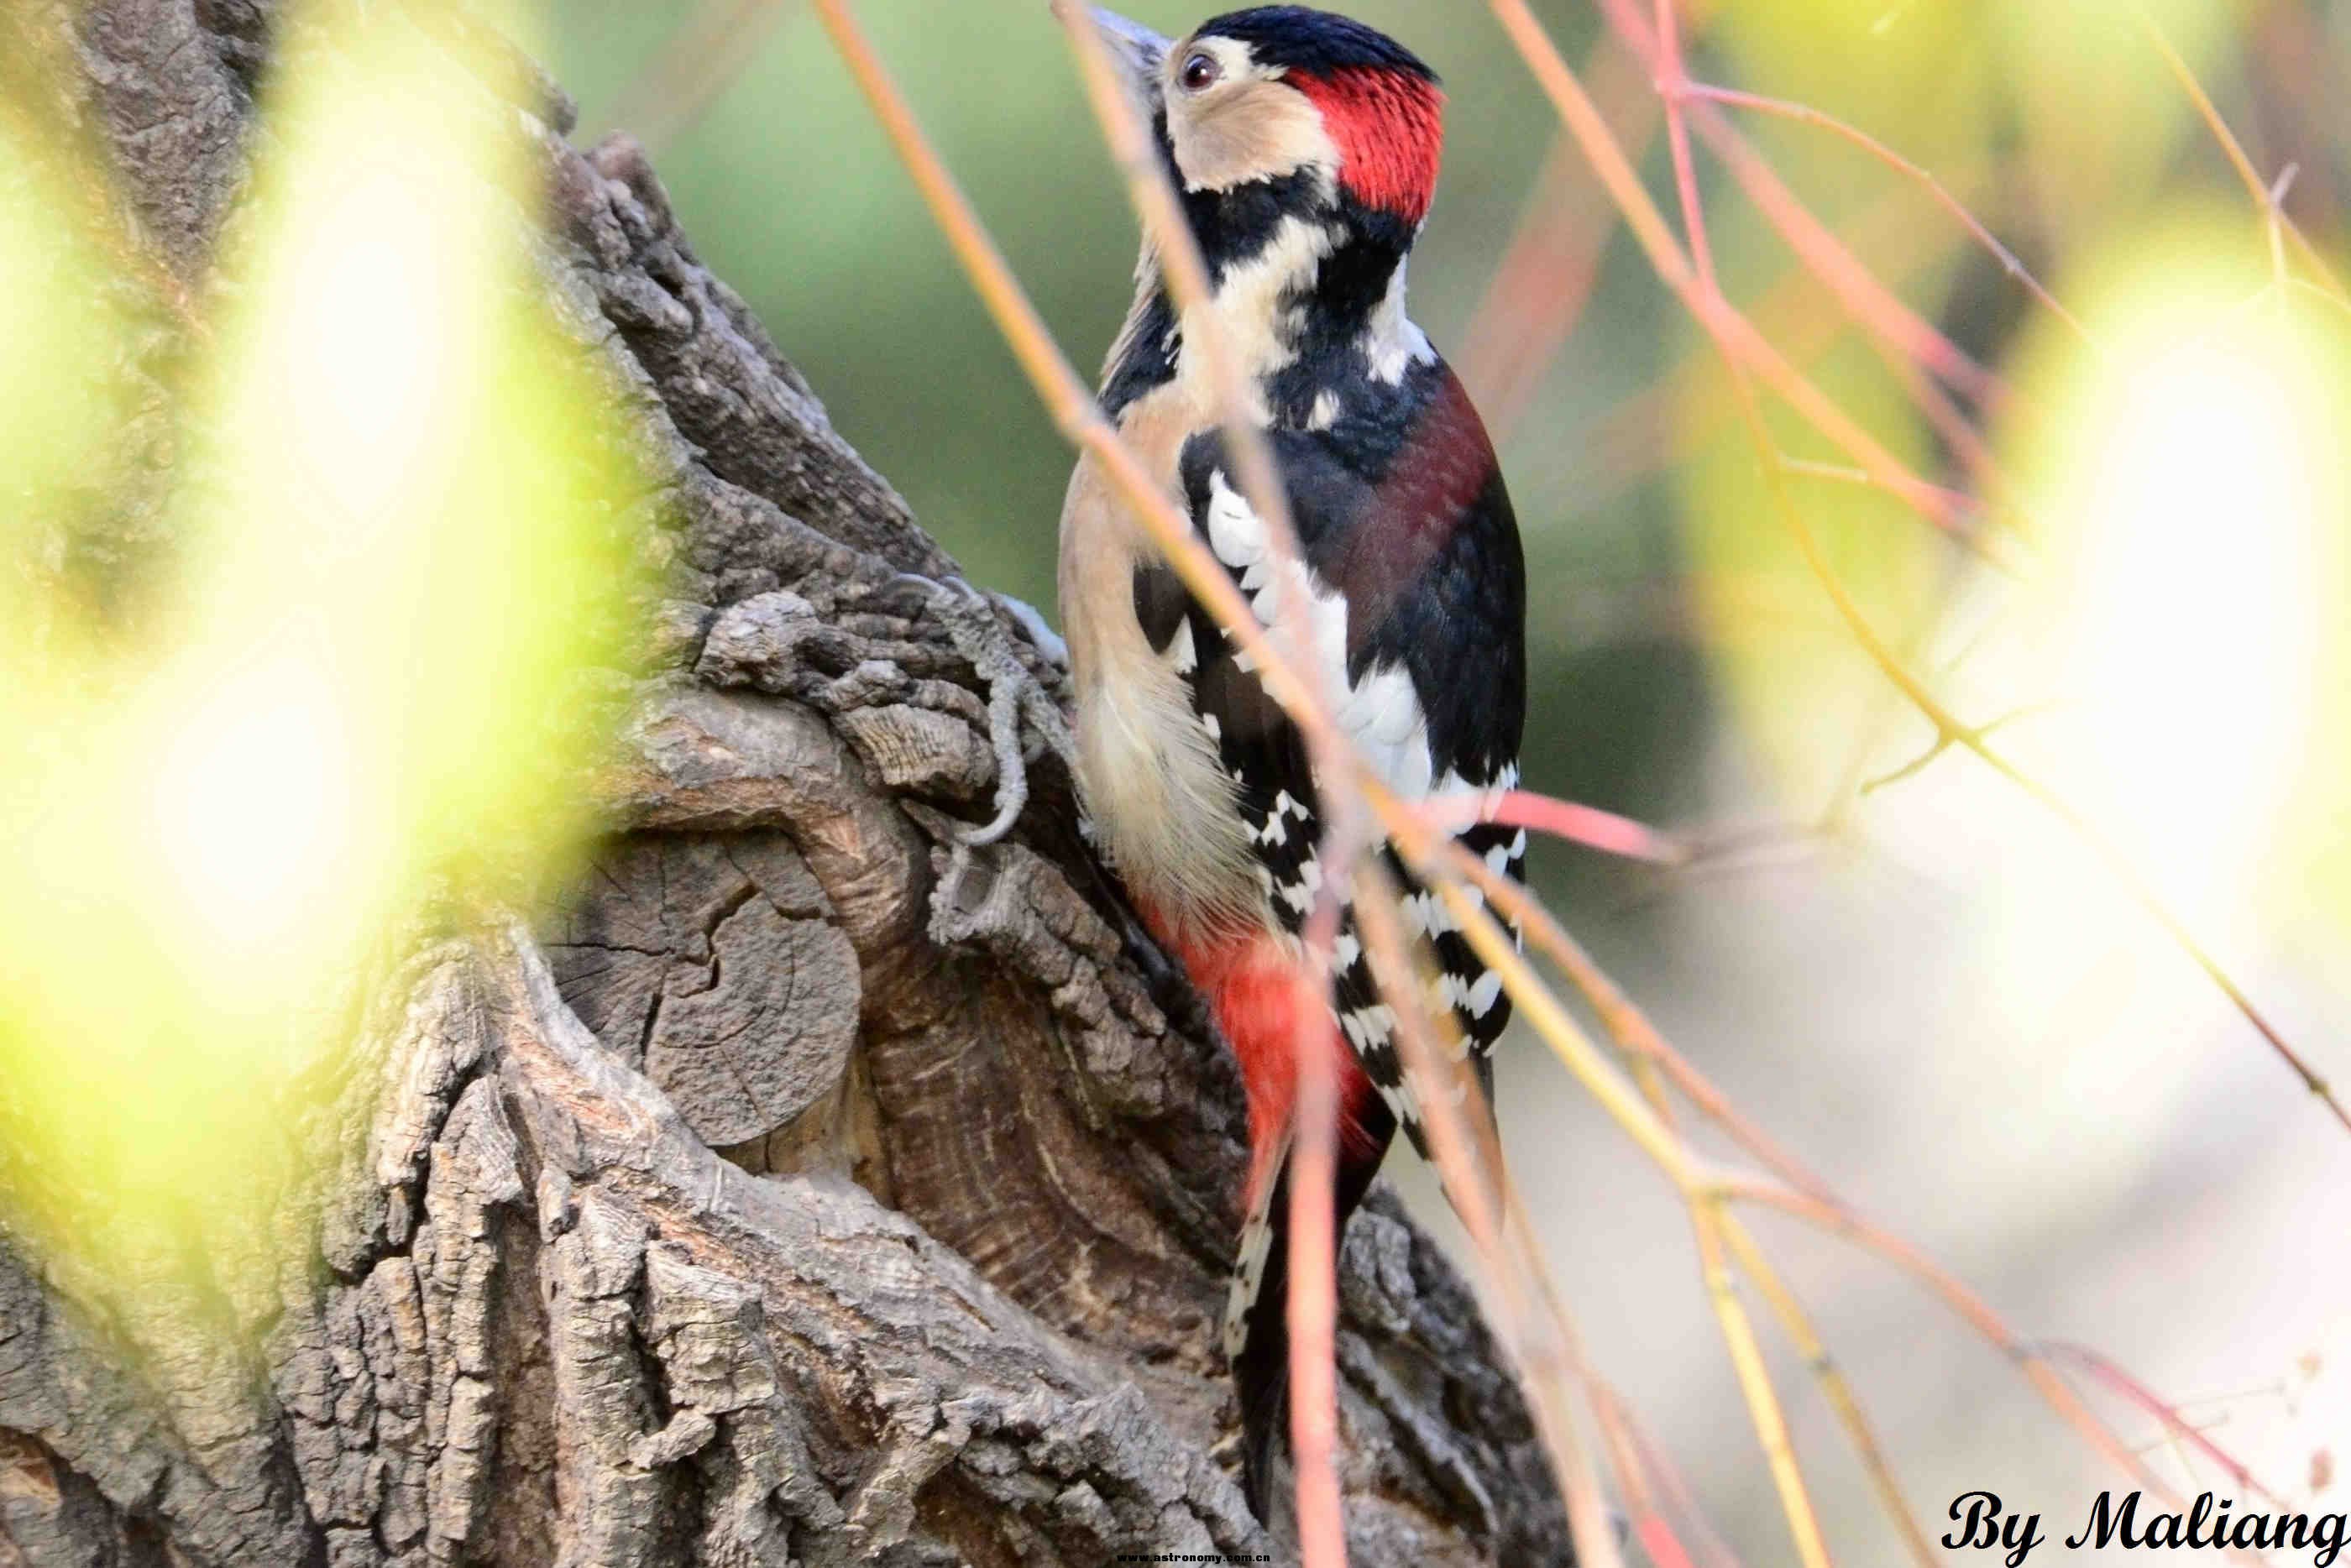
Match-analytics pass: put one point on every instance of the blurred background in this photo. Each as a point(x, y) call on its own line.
point(1931, 991)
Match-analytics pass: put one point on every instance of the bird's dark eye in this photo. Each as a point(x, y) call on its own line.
point(1201, 72)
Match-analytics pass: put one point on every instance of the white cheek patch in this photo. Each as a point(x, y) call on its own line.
point(1251, 127)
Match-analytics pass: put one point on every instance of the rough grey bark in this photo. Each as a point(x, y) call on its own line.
point(760, 1205)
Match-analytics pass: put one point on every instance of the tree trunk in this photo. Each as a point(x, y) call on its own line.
point(758, 1208)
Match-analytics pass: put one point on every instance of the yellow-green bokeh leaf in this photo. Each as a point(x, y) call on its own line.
point(1800, 691)
point(60, 341)
point(396, 545)
point(2191, 611)
point(2101, 113)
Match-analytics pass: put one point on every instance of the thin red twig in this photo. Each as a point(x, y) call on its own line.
point(2103, 1370)
point(1679, 1500)
point(1869, 301)
point(1541, 287)
point(1804, 113)
point(2039, 1370)
point(1585, 824)
point(1314, 1313)
point(1707, 1221)
point(1736, 335)
point(1686, 406)
point(1737, 341)
point(1656, 1533)
point(1465, 1144)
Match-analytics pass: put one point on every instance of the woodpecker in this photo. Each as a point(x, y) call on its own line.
point(1305, 148)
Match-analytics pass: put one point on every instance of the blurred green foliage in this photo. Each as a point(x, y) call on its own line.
point(355, 693)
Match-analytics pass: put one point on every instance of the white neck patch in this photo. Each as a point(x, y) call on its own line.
point(1391, 343)
point(1249, 306)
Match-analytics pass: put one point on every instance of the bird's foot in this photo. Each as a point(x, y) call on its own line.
point(1016, 698)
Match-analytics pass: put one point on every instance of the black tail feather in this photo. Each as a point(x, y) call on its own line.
point(1262, 1370)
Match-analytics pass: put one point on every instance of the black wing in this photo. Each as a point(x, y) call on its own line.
point(1417, 592)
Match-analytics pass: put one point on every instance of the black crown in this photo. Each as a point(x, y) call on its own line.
point(1314, 43)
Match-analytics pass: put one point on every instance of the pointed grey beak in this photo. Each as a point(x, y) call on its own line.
point(1142, 51)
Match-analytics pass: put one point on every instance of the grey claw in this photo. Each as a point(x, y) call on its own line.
point(1013, 695)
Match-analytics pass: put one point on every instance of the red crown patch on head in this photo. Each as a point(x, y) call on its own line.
point(1389, 128)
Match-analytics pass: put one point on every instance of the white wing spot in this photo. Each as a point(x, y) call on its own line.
point(1234, 531)
point(1368, 1026)
point(1248, 1277)
point(1484, 993)
point(1400, 1101)
point(1427, 915)
point(1300, 895)
point(1382, 711)
point(1183, 653)
point(1381, 714)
